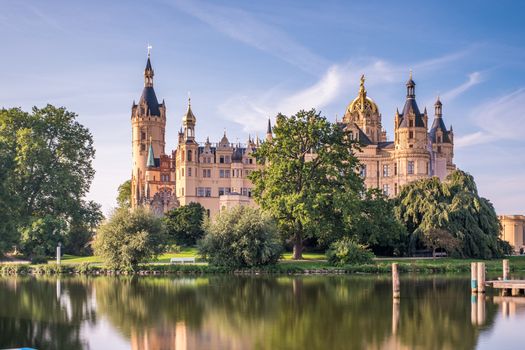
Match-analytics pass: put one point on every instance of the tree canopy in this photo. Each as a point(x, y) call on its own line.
point(452, 205)
point(184, 225)
point(124, 194)
point(309, 183)
point(45, 172)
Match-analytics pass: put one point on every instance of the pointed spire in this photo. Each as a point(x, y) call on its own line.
point(151, 158)
point(438, 108)
point(269, 128)
point(411, 87)
point(148, 71)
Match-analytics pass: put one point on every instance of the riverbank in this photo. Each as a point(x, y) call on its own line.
point(442, 265)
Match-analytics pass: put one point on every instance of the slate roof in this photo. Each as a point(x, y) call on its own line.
point(438, 124)
point(150, 99)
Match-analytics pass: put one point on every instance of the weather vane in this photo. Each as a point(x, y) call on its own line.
point(149, 50)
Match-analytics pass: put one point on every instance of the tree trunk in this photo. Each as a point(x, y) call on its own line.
point(297, 247)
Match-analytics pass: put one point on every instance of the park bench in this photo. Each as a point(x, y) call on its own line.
point(190, 260)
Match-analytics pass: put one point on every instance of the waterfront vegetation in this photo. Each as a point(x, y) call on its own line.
point(310, 194)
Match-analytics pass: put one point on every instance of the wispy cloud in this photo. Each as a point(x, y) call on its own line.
point(251, 111)
point(248, 29)
point(499, 119)
point(473, 79)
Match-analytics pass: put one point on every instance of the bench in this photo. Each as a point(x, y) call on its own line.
point(190, 260)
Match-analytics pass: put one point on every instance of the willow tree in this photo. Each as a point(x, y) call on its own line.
point(453, 205)
point(309, 183)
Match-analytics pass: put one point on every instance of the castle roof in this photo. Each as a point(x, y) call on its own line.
point(362, 102)
point(411, 107)
point(149, 98)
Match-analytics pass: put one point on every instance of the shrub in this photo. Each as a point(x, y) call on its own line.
point(128, 238)
point(38, 259)
point(347, 251)
point(241, 237)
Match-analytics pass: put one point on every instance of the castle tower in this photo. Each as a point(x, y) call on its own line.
point(187, 158)
point(364, 113)
point(411, 140)
point(269, 136)
point(442, 140)
point(148, 122)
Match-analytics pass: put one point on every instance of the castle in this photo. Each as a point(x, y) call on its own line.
point(216, 175)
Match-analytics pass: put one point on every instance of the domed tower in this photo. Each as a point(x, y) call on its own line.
point(363, 112)
point(411, 139)
point(442, 140)
point(148, 122)
point(187, 158)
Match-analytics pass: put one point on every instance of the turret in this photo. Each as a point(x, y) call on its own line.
point(268, 131)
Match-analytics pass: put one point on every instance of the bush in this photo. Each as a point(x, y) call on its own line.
point(38, 259)
point(241, 237)
point(129, 238)
point(348, 251)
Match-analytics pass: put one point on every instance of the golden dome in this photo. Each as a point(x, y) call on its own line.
point(362, 102)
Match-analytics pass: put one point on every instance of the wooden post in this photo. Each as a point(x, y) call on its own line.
point(506, 269)
point(395, 281)
point(515, 292)
point(474, 277)
point(481, 277)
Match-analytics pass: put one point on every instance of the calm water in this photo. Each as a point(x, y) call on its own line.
point(227, 312)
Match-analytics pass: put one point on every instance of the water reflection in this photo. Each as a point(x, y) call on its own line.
point(227, 312)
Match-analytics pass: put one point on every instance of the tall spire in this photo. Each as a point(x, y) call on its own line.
point(151, 157)
point(362, 92)
point(148, 71)
point(438, 108)
point(269, 128)
point(411, 87)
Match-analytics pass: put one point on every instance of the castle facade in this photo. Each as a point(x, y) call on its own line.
point(216, 174)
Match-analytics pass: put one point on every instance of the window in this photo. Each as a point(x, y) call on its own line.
point(142, 135)
point(203, 191)
point(395, 168)
point(227, 173)
point(410, 134)
point(227, 159)
point(189, 156)
point(439, 139)
point(224, 190)
point(410, 167)
point(395, 189)
point(439, 149)
point(221, 159)
point(208, 191)
point(386, 170)
point(250, 161)
point(182, 172)
point(221, 173)
point(246, 192)
point(165, 177)
point(362, 171)
point(208, 212)
point(206, 172)
point(189, 172)
point(428, 168)
point(411, 123)
point(386, 189)
point(142, 147)
point(247, 172)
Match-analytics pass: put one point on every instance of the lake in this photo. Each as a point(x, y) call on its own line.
point(255, 312)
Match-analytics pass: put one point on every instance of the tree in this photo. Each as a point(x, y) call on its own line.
point(309, 183)
point(452, 205)
point(46, 167)
point(124, 195)
point(436, 238)
point(128, 238)
point(348, 251)
point(184, 225)
point(376, 225)
point(241, 237)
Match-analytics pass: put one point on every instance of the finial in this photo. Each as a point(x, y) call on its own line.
point(410, 76)
point(362, 80)
point(189, 98)
point(149, 50)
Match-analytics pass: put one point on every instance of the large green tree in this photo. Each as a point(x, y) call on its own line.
point(309, 183)
point(184, 224)
point(453, 205)
point(46, 170)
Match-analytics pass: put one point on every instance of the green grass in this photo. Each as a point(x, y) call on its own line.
point(306, 256)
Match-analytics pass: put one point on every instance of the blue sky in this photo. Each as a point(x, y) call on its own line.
point(244, 61)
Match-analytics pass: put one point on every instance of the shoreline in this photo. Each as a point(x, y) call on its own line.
point(426, 266)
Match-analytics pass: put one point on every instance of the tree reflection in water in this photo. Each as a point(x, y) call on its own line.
point(237, 312)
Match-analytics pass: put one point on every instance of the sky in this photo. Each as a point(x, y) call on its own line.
point(245, 61)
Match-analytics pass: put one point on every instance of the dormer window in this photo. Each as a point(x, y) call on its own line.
point(411, 123)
